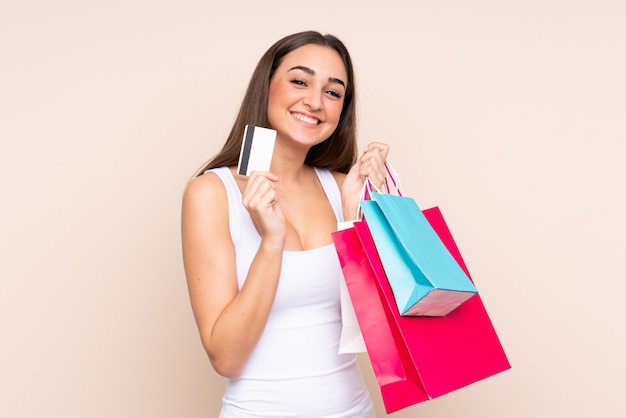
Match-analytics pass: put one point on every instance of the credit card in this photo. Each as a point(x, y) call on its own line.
point(256, 150)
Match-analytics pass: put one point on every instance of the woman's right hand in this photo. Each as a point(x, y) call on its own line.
point(261, 201)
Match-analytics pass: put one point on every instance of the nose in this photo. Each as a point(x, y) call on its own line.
point(313, 99)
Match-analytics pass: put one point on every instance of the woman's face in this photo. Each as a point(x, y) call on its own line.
point(306, 94)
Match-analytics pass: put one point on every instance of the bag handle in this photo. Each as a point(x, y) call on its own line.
point(391, 185)
point(392, 175)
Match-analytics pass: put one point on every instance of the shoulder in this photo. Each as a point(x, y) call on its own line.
point(204, 213)
point(205, 196)
point(205, 186)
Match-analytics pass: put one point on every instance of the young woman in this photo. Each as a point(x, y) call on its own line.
point(262, 272)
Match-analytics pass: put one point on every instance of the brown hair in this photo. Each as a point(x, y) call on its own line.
point(338, 152)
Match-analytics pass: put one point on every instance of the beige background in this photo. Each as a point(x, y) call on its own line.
point(509, 115)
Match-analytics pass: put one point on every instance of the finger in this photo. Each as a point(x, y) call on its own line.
point(373, 167)
point(258, 178)
point(252, 186)
point(259, 191)
point(267, 174)
point(261, 197)
point(373, 156)
point(381, 147)
point(372, 161)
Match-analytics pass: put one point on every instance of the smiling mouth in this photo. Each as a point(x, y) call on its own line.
point(306, 119)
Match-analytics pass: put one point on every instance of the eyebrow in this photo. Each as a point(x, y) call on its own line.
point(311, 72)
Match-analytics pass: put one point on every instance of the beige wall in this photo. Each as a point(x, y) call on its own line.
point(510, 115)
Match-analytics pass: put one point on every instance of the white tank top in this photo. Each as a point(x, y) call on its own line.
point(295, 369)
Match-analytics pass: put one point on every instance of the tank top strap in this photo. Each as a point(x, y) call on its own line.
point(236, 211)
point(329, 184)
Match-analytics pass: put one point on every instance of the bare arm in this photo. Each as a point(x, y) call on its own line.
point(230, 322)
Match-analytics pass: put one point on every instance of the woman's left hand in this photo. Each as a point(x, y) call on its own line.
point(370, 165)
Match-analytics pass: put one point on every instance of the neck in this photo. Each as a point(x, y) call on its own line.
point(288, 164)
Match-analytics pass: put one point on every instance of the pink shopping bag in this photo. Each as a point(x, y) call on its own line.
point(399, 381)
point(416, 358)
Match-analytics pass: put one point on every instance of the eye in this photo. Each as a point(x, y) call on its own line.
point(334, 94)
point(298, 82)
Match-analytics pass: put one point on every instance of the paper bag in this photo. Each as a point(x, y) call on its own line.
point(416, 358)
point(424, 277)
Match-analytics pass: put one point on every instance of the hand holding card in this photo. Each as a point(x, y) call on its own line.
point(256, 150)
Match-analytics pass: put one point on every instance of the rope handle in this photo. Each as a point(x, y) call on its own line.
point(391, 185)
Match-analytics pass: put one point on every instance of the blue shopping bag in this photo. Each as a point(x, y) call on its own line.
point(425, 278)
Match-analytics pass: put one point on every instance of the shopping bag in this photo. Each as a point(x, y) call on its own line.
point(399, 380)
point(424, 277)
point(351, 338)
point(416, 358)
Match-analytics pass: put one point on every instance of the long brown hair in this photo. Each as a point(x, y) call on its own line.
point(338, 152)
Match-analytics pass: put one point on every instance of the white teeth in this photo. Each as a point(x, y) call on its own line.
point(306, 119)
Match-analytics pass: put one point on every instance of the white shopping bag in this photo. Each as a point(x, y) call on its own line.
point(351, 340)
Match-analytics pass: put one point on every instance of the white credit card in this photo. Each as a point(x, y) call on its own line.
point(256, 150)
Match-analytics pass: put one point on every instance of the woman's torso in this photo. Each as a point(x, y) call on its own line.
point(295, 369)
